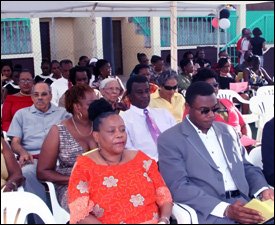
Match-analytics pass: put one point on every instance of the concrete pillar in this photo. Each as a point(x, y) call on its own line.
point(98, 49)
point(36, 45)
point(155, 35)
point(241, 13)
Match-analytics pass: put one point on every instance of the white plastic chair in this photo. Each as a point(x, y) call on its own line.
point(61, 216)
point(184, 214)
point(265, 90)
point(15, 206)
point(255, 157)
point(263, 107)
point(230, 94)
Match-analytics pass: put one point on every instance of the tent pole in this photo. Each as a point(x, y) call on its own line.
point(218, 34)
point(173, 35)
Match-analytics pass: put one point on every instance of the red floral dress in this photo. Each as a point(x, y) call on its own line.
point(128, 193)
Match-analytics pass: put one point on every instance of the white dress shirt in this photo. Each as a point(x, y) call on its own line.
point(138, 134)
point(219, 157)
point(216, 152)
point(59, 87)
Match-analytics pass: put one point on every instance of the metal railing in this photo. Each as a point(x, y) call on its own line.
point(15, 36)
point(265, 23)
point(196, 31)
point(143, 28)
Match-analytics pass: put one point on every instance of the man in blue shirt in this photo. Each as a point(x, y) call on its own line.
point(28, 129)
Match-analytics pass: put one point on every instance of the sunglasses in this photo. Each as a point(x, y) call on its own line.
point(215, 85)
point(169, 88)
point(205, 110)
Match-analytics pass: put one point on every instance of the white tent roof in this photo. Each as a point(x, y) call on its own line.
point(40, 9)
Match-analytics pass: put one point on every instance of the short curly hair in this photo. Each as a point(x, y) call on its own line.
point(74, 94)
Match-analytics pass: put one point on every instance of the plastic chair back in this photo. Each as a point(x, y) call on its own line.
point(230, 94)
point(15, 206)
point(264, 108)
point(265, 90)
point(255, 157)
point(61, 216)
point(184, 214)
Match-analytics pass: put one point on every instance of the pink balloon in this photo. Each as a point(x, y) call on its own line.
point(215, 22)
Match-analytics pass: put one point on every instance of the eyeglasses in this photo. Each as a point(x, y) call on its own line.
point(25, 81)
point(112, 89)
point(169, 88)
point(43, 94)
point(205, 110)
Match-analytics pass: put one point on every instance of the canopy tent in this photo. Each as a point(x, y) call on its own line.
point(40, 9)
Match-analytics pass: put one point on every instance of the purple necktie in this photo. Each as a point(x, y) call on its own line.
point(153, 128)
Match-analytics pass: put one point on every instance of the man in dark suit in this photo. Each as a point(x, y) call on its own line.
point(268, 151)
point(205, 166)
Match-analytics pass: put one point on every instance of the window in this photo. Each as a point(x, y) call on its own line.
point(15, 36)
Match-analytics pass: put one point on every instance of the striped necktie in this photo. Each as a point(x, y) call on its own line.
point(153, 128)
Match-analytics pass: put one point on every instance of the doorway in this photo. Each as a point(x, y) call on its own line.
point(45, 40)
point(117, 43)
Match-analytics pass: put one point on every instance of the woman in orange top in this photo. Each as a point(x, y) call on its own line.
point(114, 185)
point(19, 100)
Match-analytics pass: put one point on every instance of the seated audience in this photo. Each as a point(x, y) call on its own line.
point(225, 77)
point(143, 70)
point(113, 185)
point(46, 75)
point(185, 76)
point(188, 55)
point(167, 96)
point(200, 61)
point(143, 121)
point(157, 64)
point(268, 151)
point(11, 87)
point(62, 84)
point(83, 61)
point(55, 69)
point(77, 75)
point(103, 70)
point(17, 101)
point(67, 140)
point(227, 112)
point(224, 54)
point(143, 60)
point(255, 75)
point(206, 167)
point(28, 130)
point(6, 73)
point(241, 67)
point(11, 174)
point(111, 92)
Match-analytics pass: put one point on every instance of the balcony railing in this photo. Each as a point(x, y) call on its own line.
point(196, 31)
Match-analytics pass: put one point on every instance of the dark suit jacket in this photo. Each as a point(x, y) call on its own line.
point(268, 151)
point(191, 174)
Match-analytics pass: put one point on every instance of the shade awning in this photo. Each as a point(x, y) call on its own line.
point(40, 9)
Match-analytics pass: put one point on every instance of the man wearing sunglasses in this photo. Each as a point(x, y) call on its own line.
point(205, 166)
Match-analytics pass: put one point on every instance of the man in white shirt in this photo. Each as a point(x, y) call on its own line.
point(61, 85)
point(138, 131)
point(205, 166)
